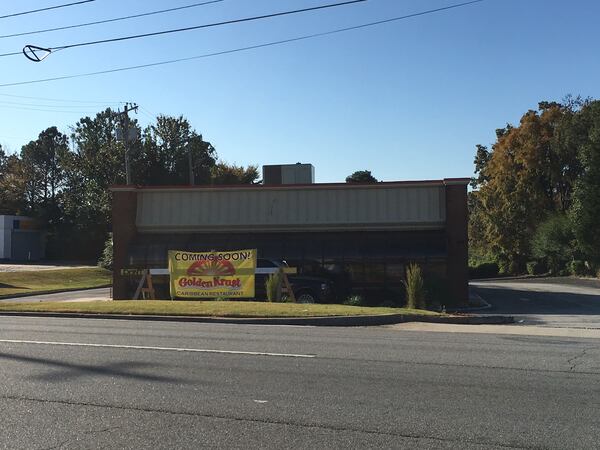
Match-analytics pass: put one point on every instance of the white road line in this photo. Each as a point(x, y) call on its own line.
point(145, 347)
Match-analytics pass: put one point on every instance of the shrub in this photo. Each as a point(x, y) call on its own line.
point(504, 267)
point(577, 267)
point(271, 286)
point(554, 242)
point(415, 287)
point(438, 292)
point(485, 270)
point(106, 259)
point(354, 300)
point(535, 268)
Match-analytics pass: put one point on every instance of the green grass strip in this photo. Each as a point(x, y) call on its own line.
point(31, 282)
point(206, 308)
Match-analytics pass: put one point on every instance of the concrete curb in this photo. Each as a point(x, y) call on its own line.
point(336, 321)
point(59, 291)
point(485, 306)
point(512, 277)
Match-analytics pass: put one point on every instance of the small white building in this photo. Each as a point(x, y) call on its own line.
point(20, 239)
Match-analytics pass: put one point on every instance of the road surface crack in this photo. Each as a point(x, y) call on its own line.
point(327, 427)
point(59, 445)
point(572, 361)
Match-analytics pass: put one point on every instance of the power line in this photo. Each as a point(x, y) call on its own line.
point(61, 100)
point(48, 8)
point(38, 105)
point(17, 108)
point(197, 27)
point(115, 19)
point(242, 49)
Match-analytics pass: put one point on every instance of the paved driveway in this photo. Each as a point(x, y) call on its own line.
point(556, 302)
point(73, 296)
point(9, 267)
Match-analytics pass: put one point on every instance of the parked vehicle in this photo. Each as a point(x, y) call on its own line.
point(306, 289)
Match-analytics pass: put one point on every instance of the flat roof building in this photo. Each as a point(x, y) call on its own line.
point(362, 235)
point(20, 239)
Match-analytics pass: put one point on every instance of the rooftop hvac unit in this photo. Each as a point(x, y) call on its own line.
point(288, 174)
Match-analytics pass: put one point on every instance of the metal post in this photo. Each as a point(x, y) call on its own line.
point(126, 144)
point(190, 163)
point(124, 119)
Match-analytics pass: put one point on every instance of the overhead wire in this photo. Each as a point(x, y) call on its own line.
point(47, 8)
point(60, 99)
point(148, 113)
point(115, 19)
point(195, 27)
point(19, 108)
point(37, 105)
point(243, 49)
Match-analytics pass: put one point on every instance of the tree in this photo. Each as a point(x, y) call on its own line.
point(166, 152)
point(43, 173)
point(69, 188)
point(223, 173)
point(528, 175)
point(3, 160)
point(96, 163)
point(12, 184)
point(585, 213)
point(361, 176)
point(553, 241)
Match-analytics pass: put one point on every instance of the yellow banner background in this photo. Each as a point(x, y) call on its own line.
point(212, 274)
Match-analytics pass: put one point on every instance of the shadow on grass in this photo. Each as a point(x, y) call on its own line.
point(10, 286)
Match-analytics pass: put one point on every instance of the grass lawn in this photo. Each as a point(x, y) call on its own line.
point(52, 280)
point(206, 308)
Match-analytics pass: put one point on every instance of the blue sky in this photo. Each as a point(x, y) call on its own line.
point(406, 100)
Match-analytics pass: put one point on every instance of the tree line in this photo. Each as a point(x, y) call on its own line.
point(535, 199)
point(63, 181)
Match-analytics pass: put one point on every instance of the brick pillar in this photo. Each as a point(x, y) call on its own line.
point(124, 207)
point(457, 264)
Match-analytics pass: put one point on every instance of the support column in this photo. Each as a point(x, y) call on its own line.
point(124, 208)
point(457, 263)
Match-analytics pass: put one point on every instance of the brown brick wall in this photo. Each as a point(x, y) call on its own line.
point(457, 241)
point(124, 208)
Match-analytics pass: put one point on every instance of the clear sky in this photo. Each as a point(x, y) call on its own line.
point(406, 100)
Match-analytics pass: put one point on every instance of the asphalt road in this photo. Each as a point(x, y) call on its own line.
point(186, 385)
point(72, 296)
point(555, 302)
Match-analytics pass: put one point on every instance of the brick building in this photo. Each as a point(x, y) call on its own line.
point(359, 235)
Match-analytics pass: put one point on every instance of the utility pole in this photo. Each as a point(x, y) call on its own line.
point(126, 136)
point(191, 164)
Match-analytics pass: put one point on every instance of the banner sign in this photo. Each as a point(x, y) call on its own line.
point(212, 274)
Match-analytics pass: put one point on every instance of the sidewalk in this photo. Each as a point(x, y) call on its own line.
point(522, 330)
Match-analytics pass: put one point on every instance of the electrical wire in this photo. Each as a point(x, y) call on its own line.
point(37, 105)
point(148, 113)
point(90, 102)
point(197, 27)
point(115, 19)
point(17, 108)
point(242, 49)
point(48, 8)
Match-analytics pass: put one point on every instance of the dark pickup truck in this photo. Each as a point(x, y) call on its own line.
point(306, 289)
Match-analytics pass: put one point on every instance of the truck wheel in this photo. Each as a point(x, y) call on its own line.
point(305, 297)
